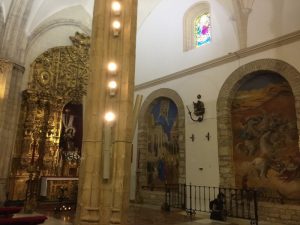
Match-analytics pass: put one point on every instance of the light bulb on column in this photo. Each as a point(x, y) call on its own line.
point(109, 117)
point(116, 25)
point(112, 85)
point(112, 67)
point(116, 7)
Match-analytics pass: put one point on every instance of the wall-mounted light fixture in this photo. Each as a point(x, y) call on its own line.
point(112, 67)
point(107, 144)
point(112, 84)
point(199, 110)
point(116, 25)
point(112, 87)
point(109, 117)
point(116, 8)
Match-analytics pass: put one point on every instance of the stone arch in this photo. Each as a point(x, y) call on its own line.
point(224, 102)
point(59, 22)
point(142, 143)
point(52, 24)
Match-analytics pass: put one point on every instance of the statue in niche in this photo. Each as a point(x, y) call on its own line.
point(70, 152)
point(70, 130)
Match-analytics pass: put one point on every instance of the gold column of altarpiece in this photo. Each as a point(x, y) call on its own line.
point(58, 76)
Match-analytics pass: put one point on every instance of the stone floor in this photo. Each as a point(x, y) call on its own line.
point(142, 215)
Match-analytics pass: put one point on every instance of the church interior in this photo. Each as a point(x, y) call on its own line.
point(150, 112)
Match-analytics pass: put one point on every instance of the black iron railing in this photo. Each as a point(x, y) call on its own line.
point(238, 203)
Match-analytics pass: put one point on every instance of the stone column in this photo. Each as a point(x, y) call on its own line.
point(13, 42)
point(13, 38)
point(10, 100)
point(105, 201)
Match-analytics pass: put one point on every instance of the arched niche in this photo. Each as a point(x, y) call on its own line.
point(70, 141)
point(57, 77)
point(225, 102)
point(196, 10)
point(157, 142)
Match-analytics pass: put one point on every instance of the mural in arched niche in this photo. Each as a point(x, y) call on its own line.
point(265, 136)
point(162, 143)
point(169, 142)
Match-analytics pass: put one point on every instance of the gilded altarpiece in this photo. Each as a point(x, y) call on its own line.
point(57, 77)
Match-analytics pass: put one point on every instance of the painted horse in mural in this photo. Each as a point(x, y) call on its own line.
point(264, 137)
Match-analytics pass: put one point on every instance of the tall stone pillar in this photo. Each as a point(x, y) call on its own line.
point(13, 38)
point(10, 100)
point(102, 198)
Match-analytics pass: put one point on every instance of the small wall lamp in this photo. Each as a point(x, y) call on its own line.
point(107, 144)
point(112, 67)
point(109, 117)
point(199, 110)
point(116, 8)
point(116, 25)
point(112, 86)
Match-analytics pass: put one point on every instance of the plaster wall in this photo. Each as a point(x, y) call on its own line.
point(160, 40)
point(203, 153)
point(272, 18)
point(144, 10)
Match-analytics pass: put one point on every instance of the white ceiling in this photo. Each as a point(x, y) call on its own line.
point(42, 9)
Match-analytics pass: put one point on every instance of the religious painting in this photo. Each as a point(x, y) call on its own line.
point(265, 136)
point(162, 143)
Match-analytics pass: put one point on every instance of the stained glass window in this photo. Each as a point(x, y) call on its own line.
point(202, 30)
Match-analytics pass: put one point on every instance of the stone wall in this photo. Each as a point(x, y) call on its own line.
point(10, 100)
point(286, 214)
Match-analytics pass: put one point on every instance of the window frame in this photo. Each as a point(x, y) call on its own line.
point(190, 15)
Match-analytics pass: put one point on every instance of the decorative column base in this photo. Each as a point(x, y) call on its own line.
point(92, 216)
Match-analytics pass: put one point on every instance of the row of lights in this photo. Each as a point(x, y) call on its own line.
point(112, 66)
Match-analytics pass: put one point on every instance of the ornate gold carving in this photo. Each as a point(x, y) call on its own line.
point(57, 77)
point(63, 71)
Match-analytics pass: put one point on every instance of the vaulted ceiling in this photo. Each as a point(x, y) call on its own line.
point(43, 9)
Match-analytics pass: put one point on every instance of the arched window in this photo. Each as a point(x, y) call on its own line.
point(197, 26)
point(202, 31)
